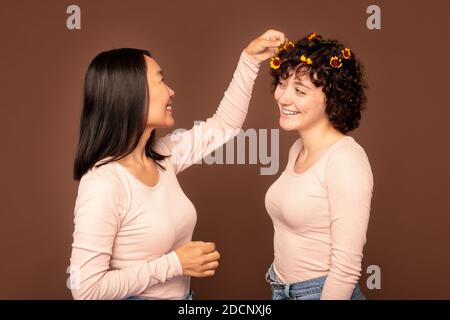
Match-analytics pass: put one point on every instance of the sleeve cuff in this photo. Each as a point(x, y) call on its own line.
point(249, 59)
point(174, 261)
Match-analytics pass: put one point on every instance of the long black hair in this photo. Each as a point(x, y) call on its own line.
point(115, 109)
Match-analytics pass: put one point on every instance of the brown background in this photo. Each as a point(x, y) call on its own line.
point(404, 132)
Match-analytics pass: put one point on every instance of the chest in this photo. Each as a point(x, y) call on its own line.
point(298, 202)
point(158, 217)
point(149, 175)
point(303, 163)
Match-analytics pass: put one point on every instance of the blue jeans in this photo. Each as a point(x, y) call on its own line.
point(189, 296)
point(304, 290)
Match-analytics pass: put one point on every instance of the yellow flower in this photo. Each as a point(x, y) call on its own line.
point(275, 63)
point(336, 62)
point(305, 60)
point(346, 53)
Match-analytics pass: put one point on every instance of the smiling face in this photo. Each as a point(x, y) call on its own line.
point(160, 97)
point(301, 104)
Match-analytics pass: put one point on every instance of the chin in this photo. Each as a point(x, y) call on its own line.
point(170, 123)
point(288, 126)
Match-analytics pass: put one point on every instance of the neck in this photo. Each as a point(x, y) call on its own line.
point(138, 156)
point(318, 136)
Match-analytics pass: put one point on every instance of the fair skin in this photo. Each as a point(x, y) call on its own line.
point(302, 108)
point(197, 258)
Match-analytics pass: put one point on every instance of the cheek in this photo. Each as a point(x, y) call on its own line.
point(277, 94)
point(157, 100)
point(311, 104)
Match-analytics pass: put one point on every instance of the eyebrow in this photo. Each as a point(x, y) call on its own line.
point(301, 84)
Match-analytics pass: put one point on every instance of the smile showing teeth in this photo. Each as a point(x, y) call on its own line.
point(289, 112)
point(169, 108)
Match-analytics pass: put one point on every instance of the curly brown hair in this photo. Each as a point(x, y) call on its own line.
point(344, 87)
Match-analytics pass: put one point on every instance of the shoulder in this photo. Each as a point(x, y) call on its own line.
point(348, 158)
point(347, 151)
point(102, 180)
point(102, 193)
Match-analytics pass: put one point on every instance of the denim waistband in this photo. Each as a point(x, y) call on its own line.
point(302, 288)
point(272, 278)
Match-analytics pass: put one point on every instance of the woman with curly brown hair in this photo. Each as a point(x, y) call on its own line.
point(320, 205)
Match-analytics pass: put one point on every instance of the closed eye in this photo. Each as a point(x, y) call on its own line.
point(282, 83)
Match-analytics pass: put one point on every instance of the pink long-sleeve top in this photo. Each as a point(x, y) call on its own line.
point(126, 232)
point(320, 218)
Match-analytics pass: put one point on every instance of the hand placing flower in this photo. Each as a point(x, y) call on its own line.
point(266, 45)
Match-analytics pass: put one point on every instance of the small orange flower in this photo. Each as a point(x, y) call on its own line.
point(336, 62)
point(305, 60)
point(346, 53)
point(280, 48)
point(289, 45)
point(312, 36)
point(285, 46)
point(275, 63)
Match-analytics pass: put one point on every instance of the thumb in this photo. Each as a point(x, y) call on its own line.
point(270, 43)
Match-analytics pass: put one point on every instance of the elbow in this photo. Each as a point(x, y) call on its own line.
point(349, 274)
point(78, 294)
point(346, 269)
point(83, 293)
point(88, 291)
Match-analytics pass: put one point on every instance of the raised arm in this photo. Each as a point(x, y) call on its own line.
point(191, 146)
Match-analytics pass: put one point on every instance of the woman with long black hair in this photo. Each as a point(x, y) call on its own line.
point(133, 223)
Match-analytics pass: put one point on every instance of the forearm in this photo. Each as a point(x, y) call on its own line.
point(125, 282)
point(234, 105)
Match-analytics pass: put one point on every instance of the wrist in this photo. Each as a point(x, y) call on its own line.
point(250, 56)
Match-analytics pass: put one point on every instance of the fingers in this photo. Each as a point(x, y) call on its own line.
point(209, 266)
point(213, 256)
point(280, 36)
point(197, 243)
point(204, 274)
point(274, 35)
point(205, 270)
point(207, 247)
point(271, 43)
point(203, 259)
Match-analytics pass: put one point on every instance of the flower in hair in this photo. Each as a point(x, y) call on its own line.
point(305, 60)
point(313, 36)
point(289, 45)
point(336, 62)
point(346, 53)
point(275, 63)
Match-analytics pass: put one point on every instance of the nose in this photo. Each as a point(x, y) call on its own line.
point(171, 92)
point(285, 98)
